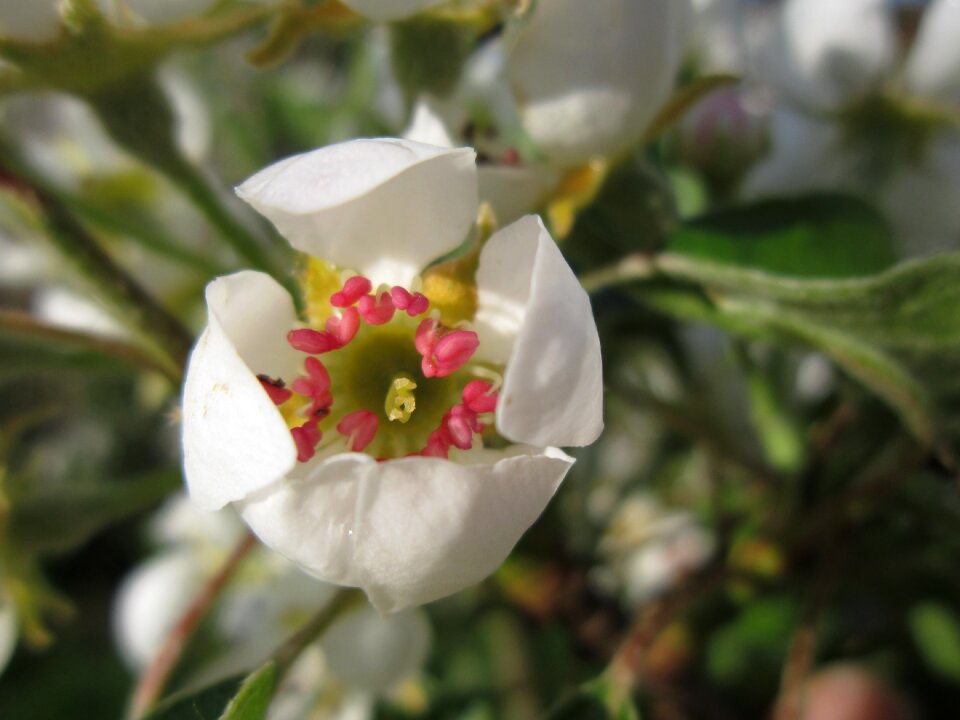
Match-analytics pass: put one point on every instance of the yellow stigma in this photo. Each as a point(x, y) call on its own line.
point(400, 402)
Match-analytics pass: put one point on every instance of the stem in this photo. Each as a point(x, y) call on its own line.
point(284, 656)
point(154, 679)
point(25, 324)
point(80, 248)
point(630, 268)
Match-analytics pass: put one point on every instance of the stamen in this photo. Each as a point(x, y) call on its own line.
point(316, 387)
point(345, 327)
point(313, 341)
point(306, 438)
point(377, 310)
point(438, 444)
point(275, 388)
point(461, 423)
point(414, 303)
point(353, 289)
point(478, 397)
point(360, 427)
point(400, 402)
point(450, 353)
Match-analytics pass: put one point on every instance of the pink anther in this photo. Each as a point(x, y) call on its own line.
point(315, 386)
point(361, 427)
point(275, 388)
point(450, 353)
point(478, 397)
point(313, 341)
point(418, 305)
point(306, 438)
point(461, 423)
point(345, 327)
point(438, 444)
point(353, 289)
point(413, 303)
point(401, 297)
point(377, 310)
point(426, 338)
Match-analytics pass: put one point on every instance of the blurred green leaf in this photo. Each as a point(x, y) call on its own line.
point(596, 700)
point(57, 517)
point(814, 236)
point(205, 704)
point(253, 698)
point(427, 54)
point(936, 633)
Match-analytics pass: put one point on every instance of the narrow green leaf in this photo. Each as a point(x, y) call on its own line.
point(936, 633)
point(828, 236)
point(254, 696)
point(205, 704)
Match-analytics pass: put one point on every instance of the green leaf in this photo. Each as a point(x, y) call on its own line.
point(814, 236)
point(254, 696)
point(936, 633)
point(57, 517)
point(427, 54)
point(205, 704)
point(598, 699)
point(889, 331)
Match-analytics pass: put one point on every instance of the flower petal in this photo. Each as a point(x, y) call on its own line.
point(370, 652)
point(589, 76)
point(829, 54)
point(384, 207)
point(149, 602)
point(234, 439)
point(9, 627)
point(534, 315)
point(933, 69)
point(407, 531)
point(385, 10)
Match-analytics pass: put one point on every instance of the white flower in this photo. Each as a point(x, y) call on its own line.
point(29, 20)
point(415, 381)
point(385, 10)
point(511, 187)
point(8, 627)
point(933, 68)
point(830, 53)
point(157, 12)
point(265, 602)
point(589, 76)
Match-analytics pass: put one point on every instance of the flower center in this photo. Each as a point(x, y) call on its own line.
point(386, 377)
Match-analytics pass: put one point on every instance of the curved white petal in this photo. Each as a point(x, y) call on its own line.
point(150, 601)
point(406, 531)
point(534, 315)
point(234, 439)
point(589, 76)
point(370, 652)
point(514, 191)
point(8, 628)
point(933, 68)
point(428, 125)
point(29, 20)
point(831, 53)
point(384, 207)
point(389, 9)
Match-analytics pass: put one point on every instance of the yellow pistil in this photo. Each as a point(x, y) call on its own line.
point(400, 402)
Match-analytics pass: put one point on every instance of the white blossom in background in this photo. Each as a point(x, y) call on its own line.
point(155, 12)
point(512, 186)
point(403, 441)
point(29, 20)
point(364, 654)
point(648, 548)
point(589, 76)
point(9, 628)
point(828, 54)
point(933, 68)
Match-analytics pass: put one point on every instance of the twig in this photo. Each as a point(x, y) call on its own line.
point(25, 324)
point(81, 249)
point(633, 267)
point(285, 655)
point(154, 679)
